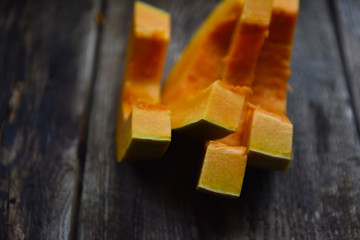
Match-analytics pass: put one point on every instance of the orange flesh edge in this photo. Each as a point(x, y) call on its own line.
point(248, 37)
point(271, 75)
point(141, 115)
point(146, 52)
point(273, 68)
point(200, 63)
point(214, 104)
point(223, 169)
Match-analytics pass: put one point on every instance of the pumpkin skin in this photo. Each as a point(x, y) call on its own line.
point(143, 123)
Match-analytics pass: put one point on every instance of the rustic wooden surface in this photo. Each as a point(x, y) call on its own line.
point(47, 51)
point(60, 76)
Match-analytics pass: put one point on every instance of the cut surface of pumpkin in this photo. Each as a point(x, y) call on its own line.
point(273, 67)
point(212, 113)
point(223, 170)
point(200, 63)
point(269, 140)
point(143, 123)
point(248, 37)
point(266, 136)
point(145, 134)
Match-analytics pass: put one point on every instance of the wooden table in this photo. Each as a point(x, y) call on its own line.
point(60, 74)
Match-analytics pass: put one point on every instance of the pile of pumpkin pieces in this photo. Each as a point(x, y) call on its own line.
point(227, 89)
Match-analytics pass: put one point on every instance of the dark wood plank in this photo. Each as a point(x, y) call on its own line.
point(317, 198)
point(47, 50)
point(347, 19)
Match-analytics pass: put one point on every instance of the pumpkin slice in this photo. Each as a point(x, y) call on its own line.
point(200, 63)
point(247, 39)
point(220, 171)
point(212, 113)
point(143, 123)
point(269, 140)
point(273, 68)
point(223, 170)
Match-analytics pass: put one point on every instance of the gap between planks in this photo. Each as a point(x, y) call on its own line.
point(100, 7)
point(334, 15)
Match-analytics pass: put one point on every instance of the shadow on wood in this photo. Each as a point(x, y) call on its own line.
point(173, 180)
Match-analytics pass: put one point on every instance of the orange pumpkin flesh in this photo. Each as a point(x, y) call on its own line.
point(211, 113)
point(223, 170)
point(267, 147)
point(143, 123)
point(200, 63)
point(273, 68)
point(269, 140)
point(248, 37)
point(239, 68)
point(266, 135)
point(188, 114)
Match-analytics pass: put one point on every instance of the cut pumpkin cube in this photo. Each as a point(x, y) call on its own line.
point(223, 170)
point(212, 113)
point(143, 123)
point(146, 133)
point(269, 140)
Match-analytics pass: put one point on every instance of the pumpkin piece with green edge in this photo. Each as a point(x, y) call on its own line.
point(223, 170)
point(266, 136)
point(282, 27)
point(144, 125)
point(212, 113)
point(269, 140)
point(192, 115)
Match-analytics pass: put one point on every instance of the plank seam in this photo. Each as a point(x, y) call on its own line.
point(84, 128)
point(336, 25)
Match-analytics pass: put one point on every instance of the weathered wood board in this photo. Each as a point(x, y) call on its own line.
point(60, 77)
point(47, 51)
point(346, 15)
point(317, 198)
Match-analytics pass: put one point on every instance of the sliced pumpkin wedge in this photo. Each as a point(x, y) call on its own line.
point(248, 37)
point(143, 123)
point(266, 136)
point(200, 63)
point(273, 67)
point(218, 113)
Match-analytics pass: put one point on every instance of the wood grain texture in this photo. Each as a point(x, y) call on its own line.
point(47, 52)
point(317, 198)
point(347, 18)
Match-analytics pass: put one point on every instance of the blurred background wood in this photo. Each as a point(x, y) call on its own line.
point(47, 51)
point(60, 76)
